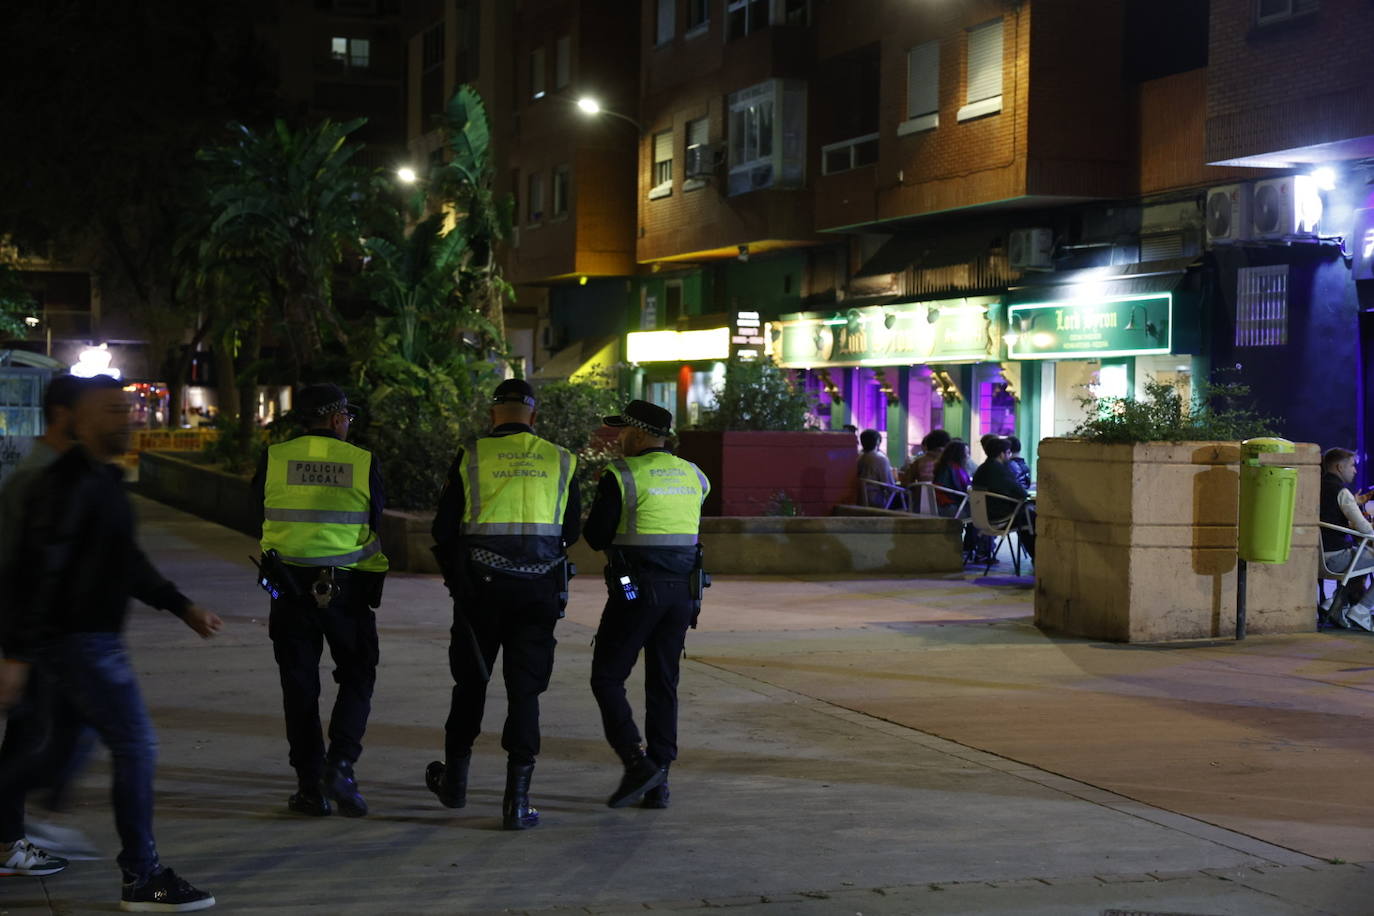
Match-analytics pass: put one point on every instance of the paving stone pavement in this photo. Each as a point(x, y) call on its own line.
point(783, 802)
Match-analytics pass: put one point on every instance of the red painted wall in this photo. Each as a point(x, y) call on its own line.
point(817, 470)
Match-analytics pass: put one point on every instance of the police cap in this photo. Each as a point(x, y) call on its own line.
point(513, 391)
point(651, 418)
point(316, 402)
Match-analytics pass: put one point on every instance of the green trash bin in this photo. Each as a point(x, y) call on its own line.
point(1267, 495)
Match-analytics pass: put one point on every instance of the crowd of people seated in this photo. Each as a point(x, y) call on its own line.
point(945, 462)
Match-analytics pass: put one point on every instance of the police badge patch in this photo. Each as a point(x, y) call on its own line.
point(319, 474)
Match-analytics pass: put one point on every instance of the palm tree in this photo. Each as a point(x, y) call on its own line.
point(287, 204)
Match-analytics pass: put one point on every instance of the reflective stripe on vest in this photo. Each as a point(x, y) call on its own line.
point(661, 497)
point(515, 486)
point(316, 506)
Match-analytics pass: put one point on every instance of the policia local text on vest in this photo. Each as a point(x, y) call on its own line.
point(323, 566)
point(647, 516)
point(506, 517)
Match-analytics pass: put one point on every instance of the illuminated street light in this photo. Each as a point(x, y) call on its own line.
point(407, 174)
point(591, 106)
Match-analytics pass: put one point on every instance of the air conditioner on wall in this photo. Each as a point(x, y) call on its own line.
point(1285, 207)
point(1228, 214)
point(1030, 248)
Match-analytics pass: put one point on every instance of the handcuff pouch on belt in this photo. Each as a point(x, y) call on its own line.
point(318, 584)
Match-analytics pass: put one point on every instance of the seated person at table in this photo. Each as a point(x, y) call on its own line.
point(1018, 465)
point(922, 466)
point(1340, 506)
point(951, 473)
point(995, 476)
point(873, 465)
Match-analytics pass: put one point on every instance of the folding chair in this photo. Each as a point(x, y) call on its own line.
point(978, 510)
point(879, 495)
point(923, 496)
point(1363, 551)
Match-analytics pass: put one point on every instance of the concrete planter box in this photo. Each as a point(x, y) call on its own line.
point(890, 545)
point(1137, 543)
point(177, 480)
point(816, 469)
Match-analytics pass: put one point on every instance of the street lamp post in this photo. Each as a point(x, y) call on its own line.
point(592, 107)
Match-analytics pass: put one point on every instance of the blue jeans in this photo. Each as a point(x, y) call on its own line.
point(93, 676)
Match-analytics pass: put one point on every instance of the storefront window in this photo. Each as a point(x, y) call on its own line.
point(1170, 369)
point(996, 403)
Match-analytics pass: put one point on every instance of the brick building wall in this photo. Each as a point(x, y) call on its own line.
point(689, 78)
point(1171, 137)
point(1288, 85)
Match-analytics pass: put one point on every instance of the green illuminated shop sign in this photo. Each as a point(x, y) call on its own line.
point(1096, 327)
point(904, 333)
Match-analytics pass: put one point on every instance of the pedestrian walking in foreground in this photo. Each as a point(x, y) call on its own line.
point(646, 517)
point(79, 564)
point(505, 520)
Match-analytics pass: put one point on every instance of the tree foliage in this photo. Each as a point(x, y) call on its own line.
point(758, 394)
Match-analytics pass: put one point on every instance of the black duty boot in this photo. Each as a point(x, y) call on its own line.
point(657, 797)
point(449, 782)
point(641, 775)
point(338, 784)
point(309, 800)
point(516, 813)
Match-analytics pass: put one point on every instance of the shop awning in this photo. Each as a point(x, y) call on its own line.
point(922, 250)
point(1128, 310)
point(1102, 282)
point(576, 360)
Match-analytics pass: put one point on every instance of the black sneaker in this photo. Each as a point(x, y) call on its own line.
point(164, 892)
point(312, 804)
point(339, 785)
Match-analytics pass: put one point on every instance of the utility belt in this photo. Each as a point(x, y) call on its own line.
point(465, 568)
point(624, 579)
point(321, 585)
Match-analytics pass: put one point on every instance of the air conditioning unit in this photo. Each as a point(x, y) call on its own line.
point(1285, 207)
point(702, 160)
point(1228, 214)
point(1030, 248)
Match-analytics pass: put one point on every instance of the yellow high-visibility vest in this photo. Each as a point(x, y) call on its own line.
point(660, 497)
point(515, 486)
point(317, 504)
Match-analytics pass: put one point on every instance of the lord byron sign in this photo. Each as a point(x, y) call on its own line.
point(902, 333)
point(1080, 329)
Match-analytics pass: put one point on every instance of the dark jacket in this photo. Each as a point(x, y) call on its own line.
point(448, 518)
point(996, 477)
point(1329, 511)
point(78, 559)
point(604, 518)
point(375, 490)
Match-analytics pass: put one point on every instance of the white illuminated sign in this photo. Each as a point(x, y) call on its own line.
point(677, 346)
point(94, 361)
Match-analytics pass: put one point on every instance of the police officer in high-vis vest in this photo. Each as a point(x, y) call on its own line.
point(323, 566)
point(508, 513)
point(646, 517)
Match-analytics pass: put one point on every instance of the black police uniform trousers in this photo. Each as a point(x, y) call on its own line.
point(515, 617)
point(656, 622)
point(299, 629)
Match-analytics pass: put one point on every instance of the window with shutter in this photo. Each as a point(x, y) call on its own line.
point(667, 14)
point(922, 89)
point(983, 94)
point(663, 165)
point(537, 73)
point(562, 62)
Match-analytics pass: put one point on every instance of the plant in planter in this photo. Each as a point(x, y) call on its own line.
point(758, 394)
point(1137, 521)
point(1219, 412)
